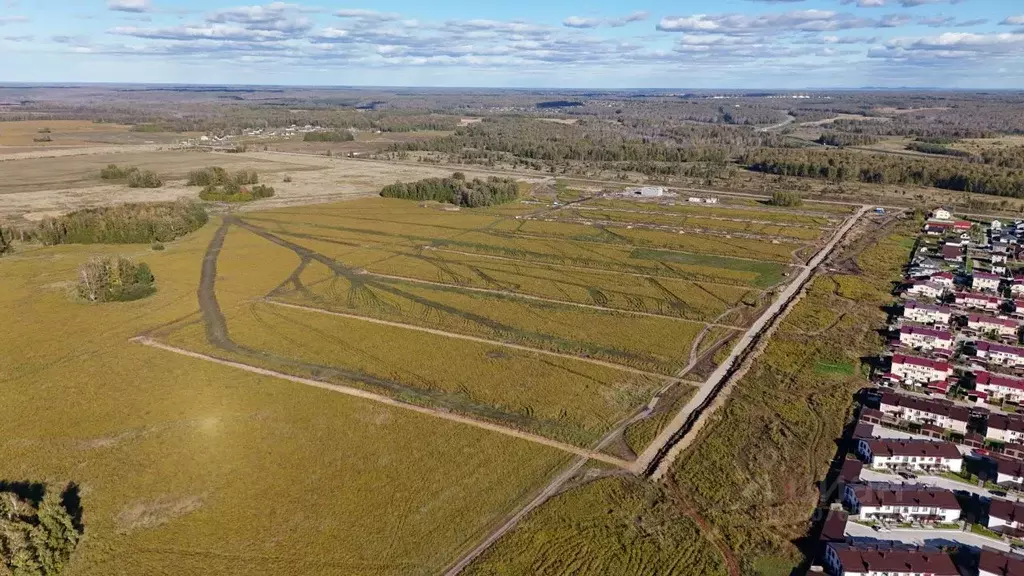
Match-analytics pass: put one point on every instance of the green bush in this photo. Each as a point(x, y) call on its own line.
point(144, 179)
point(210, 176)
point(124, 224)
point(232, 192)
point(784, 198)
point(115, 172)
point(36, 537)
point(114, 279)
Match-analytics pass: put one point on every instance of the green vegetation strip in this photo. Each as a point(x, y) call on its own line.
point(768, 273)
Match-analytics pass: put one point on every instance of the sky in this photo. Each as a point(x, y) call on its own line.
point(728, 44)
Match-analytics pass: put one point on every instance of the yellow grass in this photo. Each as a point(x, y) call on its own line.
point(62, 132)
point(191, 468)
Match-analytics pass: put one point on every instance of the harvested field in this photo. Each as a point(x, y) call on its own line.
point(710, 225)
point(810, 214)
point(61, 133)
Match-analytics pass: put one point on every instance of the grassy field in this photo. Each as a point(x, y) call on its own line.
point(808, 215)
point(40, 174)
point(749, 478)
point(685, 221)
point(60, 132)
point(751, 473)
point(610, 526)
point(187, 467)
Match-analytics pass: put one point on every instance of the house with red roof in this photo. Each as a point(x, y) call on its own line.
point(887, 558)
point(915, 455)
point(1005, 428)
point(919, 371)
point(926, 313)
point(937, 412)
point(924, 338)
point(967, 299)
point(985, 281)
point(901, 502)
point(1000, 354)
point(985, 324)
point(995, 563)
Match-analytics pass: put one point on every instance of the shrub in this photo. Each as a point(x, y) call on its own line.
point(157, 246)
point(144, 179)
point(124, 224)
point(209, 176)
point(114, 279)
point(287, 179)
point(244, 177)
point(784, 198)
point(37, 537)
point(232, 192)
point(43, 138)
point(6, 240)
point(115, 172)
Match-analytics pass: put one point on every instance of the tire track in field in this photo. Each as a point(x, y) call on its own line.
point(543, 299)
point(458, 336)
point(382, 399)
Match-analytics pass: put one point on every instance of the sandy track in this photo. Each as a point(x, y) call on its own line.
point(658, 457)
point(358, 393)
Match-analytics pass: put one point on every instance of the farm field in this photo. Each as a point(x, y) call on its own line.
point(210, 449)
point(722, 225)
point(810, 214)
point(746, 486)
point(552, 343)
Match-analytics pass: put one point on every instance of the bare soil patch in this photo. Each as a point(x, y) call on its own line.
point(143, 515)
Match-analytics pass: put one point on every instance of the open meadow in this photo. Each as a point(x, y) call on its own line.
point(474, 359)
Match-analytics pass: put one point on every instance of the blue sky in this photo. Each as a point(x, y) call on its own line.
point(523, 43)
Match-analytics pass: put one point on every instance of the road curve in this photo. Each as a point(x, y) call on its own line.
point(666, 447)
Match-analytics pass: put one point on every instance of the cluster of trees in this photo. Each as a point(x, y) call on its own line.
point(217, 176)
point(233, 192)
point(37, 533)
point(838, 166)
point(937, 148)
point(114, 279)
point(343, 136)
point(123, 224)
point(135, 177)
point(785, 198)
point(843, 139)
point(456, 190)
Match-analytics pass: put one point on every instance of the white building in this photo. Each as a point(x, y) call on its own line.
point(1001, 354)
point(941, 413)
point(913, 455)
point(976, 300)
point(943, 279)
point(923, 338)
point(926, 313)
point(941, 214)
point(1017, 288)
point(1008, 470)
point(649, 191)
point(984, 324)
point(985, 281)
point(1005, 429)
point(926, 289)
point(996, 225)
point(920, 371)
point(901, 503)
point(887, 559)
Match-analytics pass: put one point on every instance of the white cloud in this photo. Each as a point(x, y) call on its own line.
point(1013, 21)
point(13, 20)
point(594, 22)
point(130, 5)
point(777, 23)
point(362, 14)
point(865, 3)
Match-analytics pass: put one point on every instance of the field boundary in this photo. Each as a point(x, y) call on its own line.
point(477, 339)
point(511, 294)
point(380, 398)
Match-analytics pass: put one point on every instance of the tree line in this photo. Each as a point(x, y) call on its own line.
point(141, 223)
point(840, 165)
point(343, 136)
point(456, 190)
point(132, 175)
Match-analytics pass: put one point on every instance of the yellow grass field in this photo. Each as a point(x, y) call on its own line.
point(190, 468)
point(61, 132)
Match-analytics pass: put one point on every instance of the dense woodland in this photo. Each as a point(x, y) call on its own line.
point(839, 166)
point(456, 190)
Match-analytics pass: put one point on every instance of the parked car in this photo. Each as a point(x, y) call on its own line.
point(907, 475)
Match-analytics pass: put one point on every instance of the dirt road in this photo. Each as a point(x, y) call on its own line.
point(659, 455)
